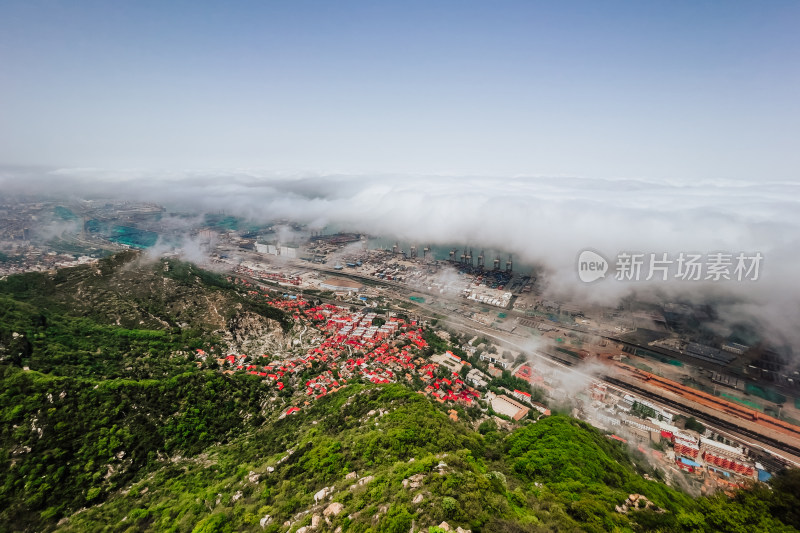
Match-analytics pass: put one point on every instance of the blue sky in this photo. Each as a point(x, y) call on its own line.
point(678, 90)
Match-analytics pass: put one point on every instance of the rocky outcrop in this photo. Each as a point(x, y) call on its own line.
point(413, 482)
point(250, 333)
point(637, 502)
point(322, 494)
point(333, 509)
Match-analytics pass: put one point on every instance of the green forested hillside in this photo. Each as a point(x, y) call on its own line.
point(109, 425)
point(98, 382)
point(420, 468)
point(68, 442)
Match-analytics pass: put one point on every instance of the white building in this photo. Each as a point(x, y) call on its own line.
point(288, 251)
point(477, 378)
point(496, 360)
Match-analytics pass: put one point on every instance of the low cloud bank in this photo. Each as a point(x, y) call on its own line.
point(543, 221)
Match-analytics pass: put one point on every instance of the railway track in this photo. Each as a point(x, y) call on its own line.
point(703, 415)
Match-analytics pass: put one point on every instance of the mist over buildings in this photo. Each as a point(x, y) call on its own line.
point(542, 221)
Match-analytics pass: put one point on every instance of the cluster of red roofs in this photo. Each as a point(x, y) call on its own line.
point(384, 358)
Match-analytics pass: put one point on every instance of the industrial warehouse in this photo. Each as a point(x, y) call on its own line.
point(341, 285)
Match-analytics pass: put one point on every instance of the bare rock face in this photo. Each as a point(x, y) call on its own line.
point(333, 509)
point(249, 333)
point(413, 482)
point(322, 494)
point(361, 482)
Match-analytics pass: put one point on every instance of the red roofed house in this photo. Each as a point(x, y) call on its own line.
point(520, 395)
